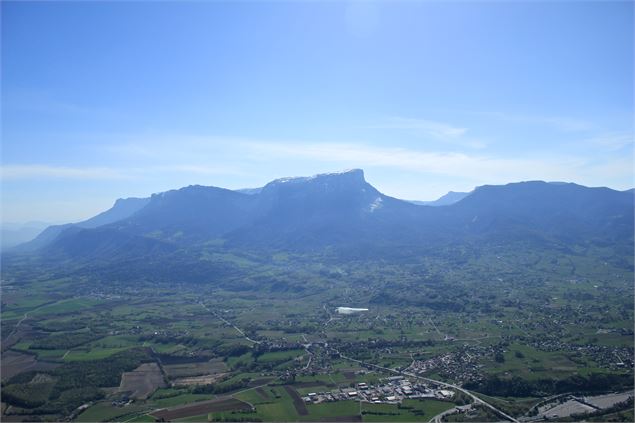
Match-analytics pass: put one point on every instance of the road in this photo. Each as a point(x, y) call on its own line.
point(329, 314)
point(437, 329)
point(15, 329)
point(228, 323)
point(438, 417)
point(26, 315)
point(476, 399)
point(310, 358)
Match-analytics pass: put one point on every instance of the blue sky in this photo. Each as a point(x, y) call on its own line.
point(102, 100)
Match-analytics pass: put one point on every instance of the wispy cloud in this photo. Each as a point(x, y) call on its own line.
point(242, 155)
point(471, 166)
point(431, 130)
point(171, 148)
point(195, 169)
point(148, 157)
point(599, 173)
point(564, 124)
point(42, 102)
point(612, 141)
point(561, 123)
point(430, 127)
point(37, 171)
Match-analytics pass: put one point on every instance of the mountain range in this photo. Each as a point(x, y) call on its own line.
point(341, 212)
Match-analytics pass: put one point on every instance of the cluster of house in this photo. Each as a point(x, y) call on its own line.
point(122, 401)
point(462, 365)
point(392, 390)
point(609, 357)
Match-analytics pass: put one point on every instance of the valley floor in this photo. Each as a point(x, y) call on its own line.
point(519, 346)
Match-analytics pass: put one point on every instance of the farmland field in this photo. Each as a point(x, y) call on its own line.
point(221, 404)
point(142, 381)
point(210, 367)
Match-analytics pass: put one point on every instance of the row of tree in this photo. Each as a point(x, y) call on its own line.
point(519, 387)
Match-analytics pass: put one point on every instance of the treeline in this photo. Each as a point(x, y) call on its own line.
point(232, 350)
point(188, 340)
point(235, 419)
point(518, 387)
point(221, 388)
point(260, 349)
point(60, 326)
point(65, 341)
point(289, 327)
point(258, 366)
point(387, 298)
point(378, 413)
point(293, 325)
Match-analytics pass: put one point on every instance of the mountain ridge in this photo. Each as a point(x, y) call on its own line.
point(340, 212)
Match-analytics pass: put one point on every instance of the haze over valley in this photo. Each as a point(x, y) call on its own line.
point(317, 211)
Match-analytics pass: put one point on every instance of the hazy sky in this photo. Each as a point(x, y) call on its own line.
point(102, 100)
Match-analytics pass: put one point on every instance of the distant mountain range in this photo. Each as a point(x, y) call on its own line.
point(445, 200)
point(123, 208)
point(12, 234)
point(341, 212)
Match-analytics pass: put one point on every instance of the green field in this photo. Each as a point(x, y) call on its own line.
point(410, 410)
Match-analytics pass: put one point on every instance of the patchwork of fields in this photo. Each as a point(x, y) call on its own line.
point(193, 352)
